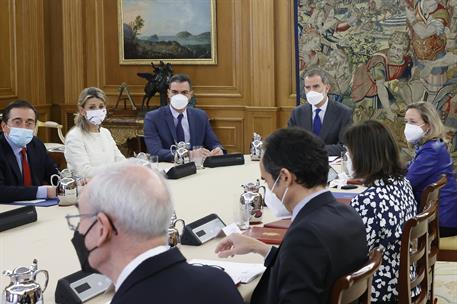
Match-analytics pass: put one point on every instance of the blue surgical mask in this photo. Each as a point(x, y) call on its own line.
point(20, 136)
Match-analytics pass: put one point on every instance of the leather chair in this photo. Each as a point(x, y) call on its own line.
point(357, 285)
point(448, 245)
point(431, 195)
point(414, 254)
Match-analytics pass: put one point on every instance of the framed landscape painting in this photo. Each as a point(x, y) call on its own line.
point(175, 31)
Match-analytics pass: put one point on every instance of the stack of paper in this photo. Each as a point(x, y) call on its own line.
point(239, 272)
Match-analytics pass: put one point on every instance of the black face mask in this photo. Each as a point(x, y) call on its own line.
point(83, 253)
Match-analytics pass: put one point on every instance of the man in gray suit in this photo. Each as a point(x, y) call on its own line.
point(324, 117)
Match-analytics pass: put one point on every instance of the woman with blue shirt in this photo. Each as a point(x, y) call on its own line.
point(432, 159)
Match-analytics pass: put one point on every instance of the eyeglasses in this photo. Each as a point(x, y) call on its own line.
point(74, 219)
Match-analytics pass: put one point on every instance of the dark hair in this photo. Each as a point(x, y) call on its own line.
point(316, 72)
point(374, 152)
point(17, 104)
point(180, 78)
point(300, 152)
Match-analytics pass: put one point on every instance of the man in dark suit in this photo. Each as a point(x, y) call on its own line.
point(24, 162)
point(124, 214)
point(177, 122)
point(324, 117)
point(325, 240)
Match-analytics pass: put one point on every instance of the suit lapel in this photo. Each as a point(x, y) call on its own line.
point(329, 117)
point(150, 267)
point(309, 118)
point(192, 125)
point(11, 159)
point(170, 122)
point(32, 163)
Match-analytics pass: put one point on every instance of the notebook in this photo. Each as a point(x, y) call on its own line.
point(267, 235)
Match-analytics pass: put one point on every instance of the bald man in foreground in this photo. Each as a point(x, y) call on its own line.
point(124, 215)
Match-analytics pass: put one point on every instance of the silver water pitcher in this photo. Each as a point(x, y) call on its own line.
point(252, 198)
point(181, 153)
point(173, 233)
point(66, 184)
point(23, 288)
point(256, 147)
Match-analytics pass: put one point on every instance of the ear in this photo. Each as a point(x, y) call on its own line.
point(286, 176)
point(82, 111)
point(4, 127)
point(169, 93)
point(327, 88)
point(105, 232)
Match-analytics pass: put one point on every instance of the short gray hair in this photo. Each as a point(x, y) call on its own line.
point(317, 72)
point(137, 198)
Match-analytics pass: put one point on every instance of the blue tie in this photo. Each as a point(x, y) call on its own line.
point(179, 129)
point(317, 124)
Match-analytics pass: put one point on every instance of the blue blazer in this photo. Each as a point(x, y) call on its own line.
point(41, 169)
point(337, 119)
point(160, 131)
point(431, 160)
point(168, 278)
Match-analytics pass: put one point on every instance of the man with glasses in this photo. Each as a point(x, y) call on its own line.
point(124, 214)
point(25, 167)
point(177, 122)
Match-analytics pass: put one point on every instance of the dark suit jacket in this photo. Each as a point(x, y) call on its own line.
point(324, 242)
point(160, 131)
point(168, 278)
point(41, 169)
point(337, 119)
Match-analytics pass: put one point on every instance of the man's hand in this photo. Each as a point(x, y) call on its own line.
point(236, 243)
point(51, 192)
point(216, 151)
point(201, 152)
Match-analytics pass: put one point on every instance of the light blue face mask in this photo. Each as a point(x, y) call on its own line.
point(20, 136)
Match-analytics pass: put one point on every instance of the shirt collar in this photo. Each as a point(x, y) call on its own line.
point(16, 149)
point(305, 201)
point(323, 107)
point(133, 264)
point(176, 113)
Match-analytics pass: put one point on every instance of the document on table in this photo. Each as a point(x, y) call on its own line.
point(239, 272)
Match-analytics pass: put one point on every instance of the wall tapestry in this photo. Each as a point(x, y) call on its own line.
point(175, 31)
point(381, 55)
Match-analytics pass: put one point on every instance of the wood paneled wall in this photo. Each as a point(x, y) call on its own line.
point(53, 49)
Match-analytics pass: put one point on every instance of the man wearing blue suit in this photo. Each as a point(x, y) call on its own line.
point(176, 122)
point(326, 118)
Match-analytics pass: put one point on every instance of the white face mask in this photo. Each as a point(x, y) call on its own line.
point(179, 101)
point(96, 117)
point(413, 133)
point(274, 204)
point(314, 98)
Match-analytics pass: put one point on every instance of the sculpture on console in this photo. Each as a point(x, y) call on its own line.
point(157, 82)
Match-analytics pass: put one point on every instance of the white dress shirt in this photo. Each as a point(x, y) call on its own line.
point(184, 122)
point(137, 261)
point(323, 109)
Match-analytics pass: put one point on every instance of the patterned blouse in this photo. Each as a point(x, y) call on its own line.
point(384, 208)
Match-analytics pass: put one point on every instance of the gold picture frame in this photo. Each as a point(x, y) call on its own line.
point(184, 32)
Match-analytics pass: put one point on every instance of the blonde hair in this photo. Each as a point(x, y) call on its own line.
point(430, 116)
point(86, 94)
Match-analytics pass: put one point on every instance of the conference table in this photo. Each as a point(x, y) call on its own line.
point(210, 190)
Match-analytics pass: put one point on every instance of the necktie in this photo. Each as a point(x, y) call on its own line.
point(317, 124)
point(26, 176)
point(179, 129)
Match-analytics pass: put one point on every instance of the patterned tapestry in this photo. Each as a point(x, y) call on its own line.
point(381, 55)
